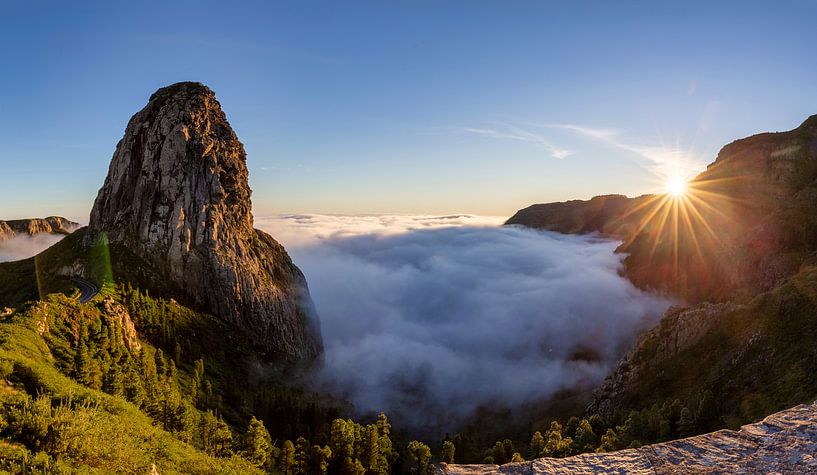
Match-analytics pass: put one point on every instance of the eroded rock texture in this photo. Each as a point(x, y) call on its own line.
point(785, 442)
point(177, 196)
point(32, 226)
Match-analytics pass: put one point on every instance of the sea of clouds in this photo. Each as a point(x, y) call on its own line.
point(430, 317)
point(23, 246)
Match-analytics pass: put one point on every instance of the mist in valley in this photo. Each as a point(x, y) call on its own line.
point(429, 318)
point(23, 246)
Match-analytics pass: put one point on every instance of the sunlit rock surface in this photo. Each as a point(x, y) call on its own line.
point(33, 226)
point(177, 196)
point(785, 442)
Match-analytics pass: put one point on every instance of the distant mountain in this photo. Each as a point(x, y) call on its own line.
point(747, 223)
point(32, 226)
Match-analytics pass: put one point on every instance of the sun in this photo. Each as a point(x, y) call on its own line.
point(676, 187)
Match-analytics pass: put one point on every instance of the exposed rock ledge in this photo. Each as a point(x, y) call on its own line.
point(785, 442)
point(32, 226)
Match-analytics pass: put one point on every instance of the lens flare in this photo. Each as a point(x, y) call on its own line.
point(676, 187)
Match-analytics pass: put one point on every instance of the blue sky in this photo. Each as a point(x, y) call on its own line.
point(404, 106)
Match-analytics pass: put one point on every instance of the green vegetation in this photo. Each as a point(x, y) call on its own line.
point(82, 389)
point(51, 421)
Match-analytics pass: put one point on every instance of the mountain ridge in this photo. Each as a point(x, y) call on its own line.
point(32, 226)
point(747, 222)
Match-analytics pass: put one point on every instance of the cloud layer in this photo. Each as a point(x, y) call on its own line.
point(428, 318)
point(21, 246)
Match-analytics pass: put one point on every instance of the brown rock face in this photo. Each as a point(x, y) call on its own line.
point(32, 226)
point(177, 196)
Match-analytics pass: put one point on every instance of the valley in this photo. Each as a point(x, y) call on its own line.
point(173, 322)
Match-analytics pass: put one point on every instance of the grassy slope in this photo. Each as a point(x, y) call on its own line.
point(120, 438)
point(243, 384)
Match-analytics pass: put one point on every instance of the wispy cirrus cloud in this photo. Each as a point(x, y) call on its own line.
point(504, 131)
point(665, 160)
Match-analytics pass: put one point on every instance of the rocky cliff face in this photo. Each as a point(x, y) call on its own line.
point(177, 196)
point(747, 223)
point(32, 226)
point(785, 442)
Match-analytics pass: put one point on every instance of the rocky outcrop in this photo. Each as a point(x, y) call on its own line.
point(32, 226)
point(785, 442)
point(177, 196)
point(118, 317)
point(747, 223)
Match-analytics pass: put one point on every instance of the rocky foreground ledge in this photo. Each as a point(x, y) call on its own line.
point(785, 442)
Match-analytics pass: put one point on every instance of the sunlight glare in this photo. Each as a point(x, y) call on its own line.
point(676, 187)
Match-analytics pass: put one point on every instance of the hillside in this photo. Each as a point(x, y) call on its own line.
point(192, 356)
point(741, 254)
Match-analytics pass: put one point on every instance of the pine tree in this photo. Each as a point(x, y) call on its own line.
point(94, 375)
point(82, 363)
point(320, 459)
point(571, 426)
point(161, 363)
point(257, 443)
point(609, 442)
point(133, 387)
point(447, 453)
point(172, 372)
point(196, 382)
point(112, 382)
point(633, 428)
point(286, 461)
point(221, 440)
point(371, 448)
point(342, 441)
point(554, 439)
point(537, 445)
point(686, 423)
point(498, 453)
point(301, 456)
point(421, 455)
point(509, 449)
point(585, 440)
point(387, 455)
point(517, 457)
point(596, 423)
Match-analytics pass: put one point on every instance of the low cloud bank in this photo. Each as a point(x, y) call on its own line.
point(22, 246)
point(429, 318)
